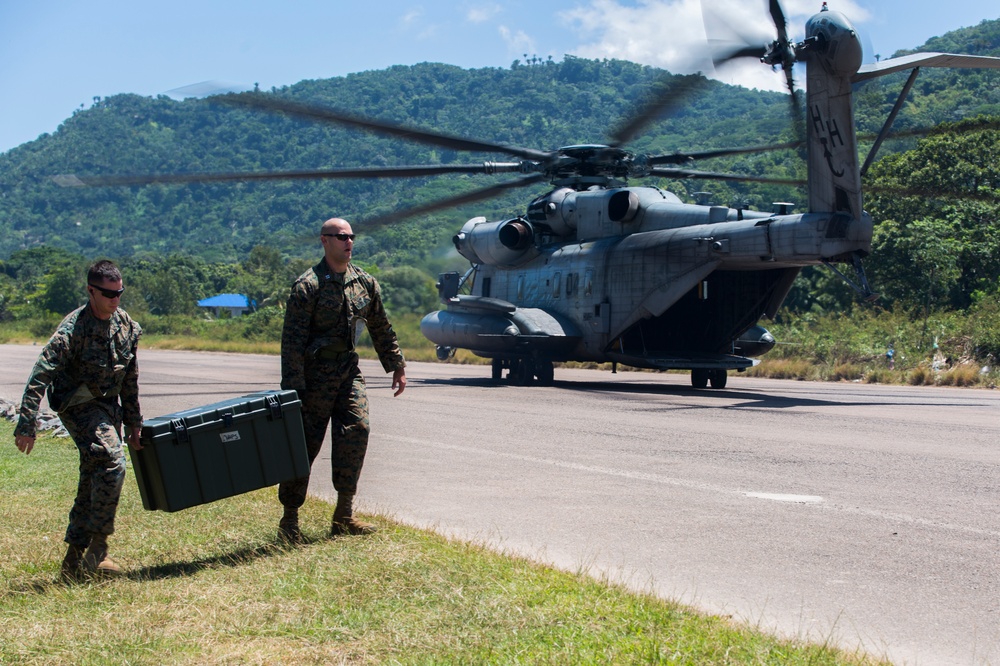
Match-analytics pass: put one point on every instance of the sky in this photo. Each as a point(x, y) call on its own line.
point(56, 56)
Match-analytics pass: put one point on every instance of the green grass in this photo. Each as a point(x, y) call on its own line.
point(211, 585)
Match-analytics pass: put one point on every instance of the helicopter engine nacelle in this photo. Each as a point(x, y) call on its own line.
point(837, 45)
point(507, 243)
point(555, 211)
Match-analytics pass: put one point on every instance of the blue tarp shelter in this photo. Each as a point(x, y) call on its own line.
point(237, 304)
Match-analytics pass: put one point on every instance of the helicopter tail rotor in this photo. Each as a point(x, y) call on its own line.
point(781, 52)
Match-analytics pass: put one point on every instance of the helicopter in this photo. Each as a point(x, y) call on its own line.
point(598, 270)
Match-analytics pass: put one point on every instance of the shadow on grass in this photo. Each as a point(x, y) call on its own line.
point(233, 559)
point(40, 586)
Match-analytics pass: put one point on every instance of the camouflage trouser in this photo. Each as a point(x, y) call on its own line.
point(95, 427)
point(335, 391)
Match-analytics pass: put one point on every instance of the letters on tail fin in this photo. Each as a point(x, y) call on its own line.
point(833, 56)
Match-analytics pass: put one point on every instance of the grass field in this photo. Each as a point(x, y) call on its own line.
point(212, 585)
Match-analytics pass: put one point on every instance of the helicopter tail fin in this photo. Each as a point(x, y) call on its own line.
point(833, 56)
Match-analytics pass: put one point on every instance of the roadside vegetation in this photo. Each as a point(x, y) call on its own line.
point(951, 348)
point(212, 585)
point(945, 349)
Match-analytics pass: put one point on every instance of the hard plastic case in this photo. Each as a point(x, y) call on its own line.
point(227, 448)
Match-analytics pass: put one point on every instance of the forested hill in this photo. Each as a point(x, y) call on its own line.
point(939, 94)
point(543, 105)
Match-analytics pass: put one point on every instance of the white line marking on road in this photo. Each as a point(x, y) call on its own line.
point(695, 485)
point(777, 497)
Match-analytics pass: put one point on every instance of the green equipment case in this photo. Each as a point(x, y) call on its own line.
point(227, 448)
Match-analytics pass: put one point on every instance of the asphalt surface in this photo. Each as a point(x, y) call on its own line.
point(856, 514)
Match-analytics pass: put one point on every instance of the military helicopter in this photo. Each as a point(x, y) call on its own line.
point(602, 271)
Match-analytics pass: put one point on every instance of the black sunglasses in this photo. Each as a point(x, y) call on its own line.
point(108, 293)
point(341, 237)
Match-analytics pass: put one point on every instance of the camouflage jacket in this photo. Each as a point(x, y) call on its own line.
point(323, 311)
point(86, 358)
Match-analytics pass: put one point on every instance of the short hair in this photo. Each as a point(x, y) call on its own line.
point(104, 270)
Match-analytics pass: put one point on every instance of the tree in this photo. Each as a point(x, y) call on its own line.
point(407, 290)
point(920, 262)
point(937, 214)
point(168, 292)
point(62, 290)
point(264, 277)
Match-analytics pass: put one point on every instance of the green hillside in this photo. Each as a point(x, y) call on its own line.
point(543, 106)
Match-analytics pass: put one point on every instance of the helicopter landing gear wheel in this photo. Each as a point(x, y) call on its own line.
point(522, 371)
point(699, 378)
point(497, 367)
point(718, 378)
point(545, 373)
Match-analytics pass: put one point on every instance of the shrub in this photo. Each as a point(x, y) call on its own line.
point(920, 376)
point(44, 327)
point(880, 376)
point(960, 375)
point(264, 325)
point(846, 372)
point(784, 368)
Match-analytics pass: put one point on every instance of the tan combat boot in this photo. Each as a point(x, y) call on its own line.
point(344, 521)
point(72, 562)
point(96, 560)
point(288, 526)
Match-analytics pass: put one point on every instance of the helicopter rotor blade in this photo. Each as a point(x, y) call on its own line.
point(728, 42)
point(451, 202)
point(780, 52)
point(682, 174)
point(669, 96)
point(325, 114)
point(778, 17)
point(413, 171)
point(795, 109)
point(932, 193)
point(786, 58)
point(970, 126)
point(736, 53)
point(682, 158)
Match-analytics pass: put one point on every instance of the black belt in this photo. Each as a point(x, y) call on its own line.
point(327, 354)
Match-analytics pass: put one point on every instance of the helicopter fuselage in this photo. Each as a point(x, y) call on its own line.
point(633, 275)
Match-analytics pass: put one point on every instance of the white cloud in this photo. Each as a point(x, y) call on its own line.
point(416, 23)
point(671, 34)
point(481, 13)
point(411, 17)
point(518, 42)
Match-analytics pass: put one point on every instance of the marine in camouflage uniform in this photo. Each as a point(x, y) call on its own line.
point(91, 374)
point(327, 305)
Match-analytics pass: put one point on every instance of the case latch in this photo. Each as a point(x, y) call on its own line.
point(274, 407)
point(180, 430)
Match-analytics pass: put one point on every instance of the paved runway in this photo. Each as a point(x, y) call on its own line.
point(866, 515)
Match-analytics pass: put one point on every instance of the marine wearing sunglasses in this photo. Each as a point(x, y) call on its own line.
point(104, 298)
